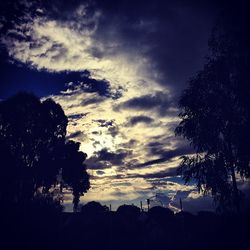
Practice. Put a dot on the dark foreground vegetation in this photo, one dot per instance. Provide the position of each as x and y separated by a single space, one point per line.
127 228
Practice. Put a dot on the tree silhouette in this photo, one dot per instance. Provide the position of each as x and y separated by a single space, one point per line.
34 152
94 208
215 113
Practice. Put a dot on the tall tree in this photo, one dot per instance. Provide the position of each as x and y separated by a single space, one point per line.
34 151
215 113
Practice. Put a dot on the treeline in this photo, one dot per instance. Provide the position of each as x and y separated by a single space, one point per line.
95 227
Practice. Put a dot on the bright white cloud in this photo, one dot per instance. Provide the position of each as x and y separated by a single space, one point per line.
71 45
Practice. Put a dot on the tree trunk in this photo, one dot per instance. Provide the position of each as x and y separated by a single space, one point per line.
236 197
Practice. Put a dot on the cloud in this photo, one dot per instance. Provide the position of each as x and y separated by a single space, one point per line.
76 116
168 155
76 134
113 130
67 40
120 150
92 101
173 34
158 101
100 172
115 158
140 119
94 163
121 63
90 85
106 159
193 202
156 175
157 147
104 123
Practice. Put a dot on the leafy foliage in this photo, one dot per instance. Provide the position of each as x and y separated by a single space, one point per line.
215 114
34 151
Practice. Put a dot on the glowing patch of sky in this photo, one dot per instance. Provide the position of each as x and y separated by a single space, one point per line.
57 46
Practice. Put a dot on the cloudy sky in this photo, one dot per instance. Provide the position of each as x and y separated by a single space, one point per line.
117 68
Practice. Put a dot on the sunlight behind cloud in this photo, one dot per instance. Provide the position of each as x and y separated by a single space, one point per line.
127 136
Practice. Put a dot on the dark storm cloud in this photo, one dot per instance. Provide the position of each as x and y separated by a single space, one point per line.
156 148
115 158
61 10
113 131
140 119
112 127
77 134
157 175
159 101
94 163
89 85
104 123
106 159
100 172
168 155
157 144
77 116
173 34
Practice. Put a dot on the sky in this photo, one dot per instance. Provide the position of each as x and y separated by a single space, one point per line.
117 68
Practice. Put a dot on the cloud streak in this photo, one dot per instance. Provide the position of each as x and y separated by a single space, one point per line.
122 69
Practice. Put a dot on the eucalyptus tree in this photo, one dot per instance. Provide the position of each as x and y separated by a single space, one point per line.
215 113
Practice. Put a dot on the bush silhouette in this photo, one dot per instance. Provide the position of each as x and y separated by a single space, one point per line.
128 211
93 208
